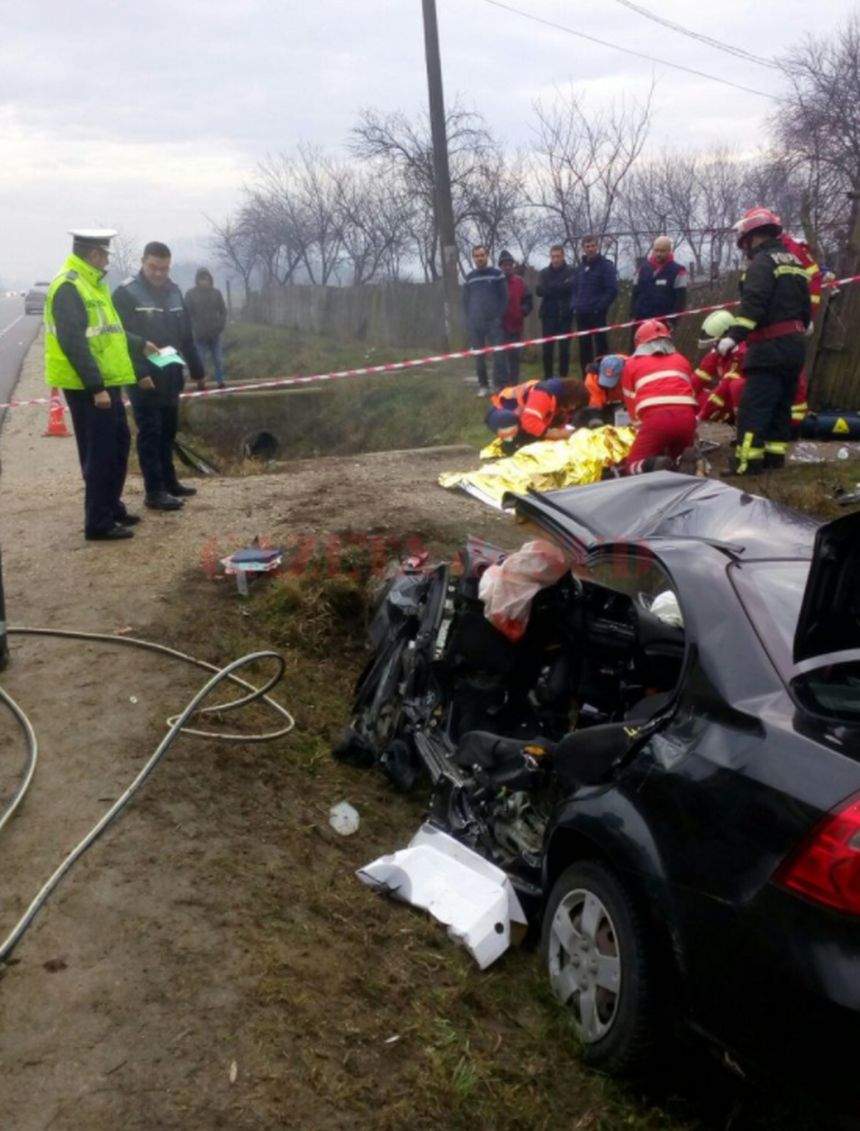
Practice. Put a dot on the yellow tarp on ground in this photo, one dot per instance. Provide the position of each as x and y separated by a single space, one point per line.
545 465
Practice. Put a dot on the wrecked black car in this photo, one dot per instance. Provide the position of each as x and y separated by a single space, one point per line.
666 764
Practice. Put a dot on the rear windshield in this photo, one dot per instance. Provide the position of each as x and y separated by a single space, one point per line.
772 593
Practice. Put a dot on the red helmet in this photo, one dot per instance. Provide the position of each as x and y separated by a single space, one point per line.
650 331
753 219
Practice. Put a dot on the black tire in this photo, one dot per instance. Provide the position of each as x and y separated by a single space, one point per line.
627 1045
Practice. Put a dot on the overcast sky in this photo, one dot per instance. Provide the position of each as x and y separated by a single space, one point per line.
145 117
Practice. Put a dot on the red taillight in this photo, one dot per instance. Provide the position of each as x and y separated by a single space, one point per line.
826 866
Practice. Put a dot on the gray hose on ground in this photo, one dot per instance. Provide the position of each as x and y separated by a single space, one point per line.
176 727
32 757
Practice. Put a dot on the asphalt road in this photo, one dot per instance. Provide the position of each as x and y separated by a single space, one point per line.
17 331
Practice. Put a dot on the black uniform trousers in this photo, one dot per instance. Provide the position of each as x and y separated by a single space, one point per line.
103 441
764 414
157 422
592 345
556 324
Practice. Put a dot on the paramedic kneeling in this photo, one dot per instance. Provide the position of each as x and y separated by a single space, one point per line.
658 391
536 410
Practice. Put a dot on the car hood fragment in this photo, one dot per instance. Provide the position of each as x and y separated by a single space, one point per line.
473 898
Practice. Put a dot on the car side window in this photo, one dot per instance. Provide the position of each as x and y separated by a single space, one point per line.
640 578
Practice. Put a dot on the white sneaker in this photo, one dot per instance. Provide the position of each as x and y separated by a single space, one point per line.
483 391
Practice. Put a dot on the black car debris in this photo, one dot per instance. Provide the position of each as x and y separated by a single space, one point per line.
676 798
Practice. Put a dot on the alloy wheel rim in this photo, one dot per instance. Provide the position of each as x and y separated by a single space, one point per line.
585 963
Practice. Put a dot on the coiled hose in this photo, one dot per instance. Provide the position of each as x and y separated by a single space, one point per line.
176 726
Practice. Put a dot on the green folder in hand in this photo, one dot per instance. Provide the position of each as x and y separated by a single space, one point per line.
165 357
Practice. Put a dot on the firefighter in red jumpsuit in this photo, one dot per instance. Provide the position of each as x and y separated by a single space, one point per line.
719 381
658 390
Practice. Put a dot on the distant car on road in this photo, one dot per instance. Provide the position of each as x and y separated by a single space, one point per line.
34 300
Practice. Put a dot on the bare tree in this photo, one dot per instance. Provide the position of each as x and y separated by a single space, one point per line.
818 129
317 187
644 208
274 220
124 254
582 161
694 199
402 147
489 206
234 249
373 217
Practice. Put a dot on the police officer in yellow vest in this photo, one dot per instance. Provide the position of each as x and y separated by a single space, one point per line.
87 356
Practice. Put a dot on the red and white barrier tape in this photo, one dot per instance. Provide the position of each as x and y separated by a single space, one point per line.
435 359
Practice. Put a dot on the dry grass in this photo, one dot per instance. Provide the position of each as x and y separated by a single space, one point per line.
335 973
807 487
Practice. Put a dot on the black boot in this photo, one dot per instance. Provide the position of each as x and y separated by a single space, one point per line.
180 491
773 461
115 534
163 502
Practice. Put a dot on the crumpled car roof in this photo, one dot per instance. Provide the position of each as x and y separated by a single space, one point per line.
665 504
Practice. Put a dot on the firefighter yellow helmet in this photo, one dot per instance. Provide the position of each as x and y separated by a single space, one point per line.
715 326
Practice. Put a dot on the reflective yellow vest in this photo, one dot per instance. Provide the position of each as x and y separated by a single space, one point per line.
105 333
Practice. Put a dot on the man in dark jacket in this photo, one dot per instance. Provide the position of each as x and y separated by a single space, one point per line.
554 288
150 305
774 314
519 306
208 313
661 284
485 298
595 285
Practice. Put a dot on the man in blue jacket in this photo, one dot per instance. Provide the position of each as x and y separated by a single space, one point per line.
595 286
661 284
485 299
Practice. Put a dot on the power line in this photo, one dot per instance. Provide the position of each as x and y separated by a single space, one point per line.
628 50
738 52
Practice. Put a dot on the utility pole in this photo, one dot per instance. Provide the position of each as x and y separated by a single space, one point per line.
444 209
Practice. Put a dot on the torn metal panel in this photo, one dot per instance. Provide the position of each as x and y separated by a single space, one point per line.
473 898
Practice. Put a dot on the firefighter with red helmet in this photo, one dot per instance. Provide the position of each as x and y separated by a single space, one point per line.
772 319
658 389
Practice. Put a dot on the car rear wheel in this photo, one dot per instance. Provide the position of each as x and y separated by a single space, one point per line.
597 953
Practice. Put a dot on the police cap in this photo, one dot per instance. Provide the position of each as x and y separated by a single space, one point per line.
95 237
